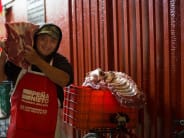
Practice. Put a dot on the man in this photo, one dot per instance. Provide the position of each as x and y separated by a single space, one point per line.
44 58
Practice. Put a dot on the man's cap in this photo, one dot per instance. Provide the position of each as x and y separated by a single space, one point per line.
51 30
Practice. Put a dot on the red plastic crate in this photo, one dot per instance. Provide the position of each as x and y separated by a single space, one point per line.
86 108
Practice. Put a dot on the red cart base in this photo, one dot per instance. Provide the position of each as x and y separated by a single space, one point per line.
86 108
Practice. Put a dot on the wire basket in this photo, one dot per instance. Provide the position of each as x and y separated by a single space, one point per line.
86 108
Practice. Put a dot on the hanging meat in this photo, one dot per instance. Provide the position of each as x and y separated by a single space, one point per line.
19 34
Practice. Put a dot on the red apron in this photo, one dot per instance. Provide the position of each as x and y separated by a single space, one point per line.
34 108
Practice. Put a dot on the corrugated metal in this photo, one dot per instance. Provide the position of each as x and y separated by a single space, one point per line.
182 60
92 36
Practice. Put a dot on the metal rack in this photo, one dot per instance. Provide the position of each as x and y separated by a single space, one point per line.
121 131
97 114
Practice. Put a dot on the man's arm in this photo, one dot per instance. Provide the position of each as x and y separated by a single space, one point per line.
54 74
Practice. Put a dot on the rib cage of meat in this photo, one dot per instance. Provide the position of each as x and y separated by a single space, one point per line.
19 34
121 85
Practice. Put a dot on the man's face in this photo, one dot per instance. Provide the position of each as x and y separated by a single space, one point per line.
46 44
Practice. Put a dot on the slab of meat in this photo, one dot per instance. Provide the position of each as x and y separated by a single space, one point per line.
19 34
121 85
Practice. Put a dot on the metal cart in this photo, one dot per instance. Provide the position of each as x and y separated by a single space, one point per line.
97 114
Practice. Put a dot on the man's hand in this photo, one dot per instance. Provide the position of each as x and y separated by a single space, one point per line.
54 74
30 55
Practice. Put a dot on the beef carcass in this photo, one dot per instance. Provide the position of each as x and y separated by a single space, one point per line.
19 34
121 85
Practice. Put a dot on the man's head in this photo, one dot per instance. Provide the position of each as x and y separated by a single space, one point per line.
47 40
51 30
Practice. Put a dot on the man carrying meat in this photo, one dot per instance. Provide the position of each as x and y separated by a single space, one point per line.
43 57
